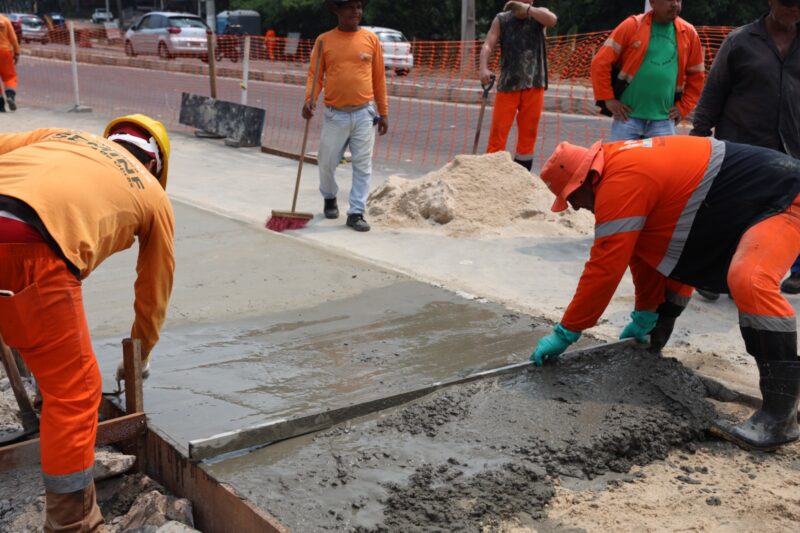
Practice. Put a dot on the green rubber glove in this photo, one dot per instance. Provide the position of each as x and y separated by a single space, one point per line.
642 323
552 345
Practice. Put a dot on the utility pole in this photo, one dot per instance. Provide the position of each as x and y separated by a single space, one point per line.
211 15
467 34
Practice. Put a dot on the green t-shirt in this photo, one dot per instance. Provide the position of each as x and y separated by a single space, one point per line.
652 91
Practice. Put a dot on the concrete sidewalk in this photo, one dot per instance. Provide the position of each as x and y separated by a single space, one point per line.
531 274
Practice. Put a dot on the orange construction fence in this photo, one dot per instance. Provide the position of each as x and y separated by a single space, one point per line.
433 87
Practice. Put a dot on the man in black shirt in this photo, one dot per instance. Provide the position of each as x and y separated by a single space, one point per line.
752 92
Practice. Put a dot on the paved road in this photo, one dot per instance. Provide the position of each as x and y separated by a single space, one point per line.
424 134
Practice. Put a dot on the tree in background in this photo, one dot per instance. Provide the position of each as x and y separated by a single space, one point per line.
442 20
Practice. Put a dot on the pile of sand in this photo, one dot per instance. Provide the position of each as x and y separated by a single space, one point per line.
475 196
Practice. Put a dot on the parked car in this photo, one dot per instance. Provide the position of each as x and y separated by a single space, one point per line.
16 23
397 54
101 15
34 29
168 35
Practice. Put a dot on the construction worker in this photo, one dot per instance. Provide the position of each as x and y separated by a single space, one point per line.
752 91
68 200
690 211
649 73
9 55
355 102
269 43
519 30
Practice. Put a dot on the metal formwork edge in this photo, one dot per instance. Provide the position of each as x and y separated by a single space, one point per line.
243 440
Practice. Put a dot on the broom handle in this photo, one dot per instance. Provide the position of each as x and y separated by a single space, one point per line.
308 123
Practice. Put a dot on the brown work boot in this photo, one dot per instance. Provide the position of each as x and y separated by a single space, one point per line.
73 512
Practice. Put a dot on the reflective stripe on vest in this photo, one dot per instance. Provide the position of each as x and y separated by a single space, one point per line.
685 221
620 225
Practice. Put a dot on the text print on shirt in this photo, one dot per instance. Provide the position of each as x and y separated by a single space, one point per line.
112 155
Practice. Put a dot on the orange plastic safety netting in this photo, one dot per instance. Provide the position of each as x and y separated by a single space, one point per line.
433 86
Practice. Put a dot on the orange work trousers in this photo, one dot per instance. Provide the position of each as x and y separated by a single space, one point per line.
8 71
45 322
526 107
764 255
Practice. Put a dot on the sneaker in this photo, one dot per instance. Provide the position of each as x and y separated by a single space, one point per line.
357 222
10 96
331 209
791 285
708 295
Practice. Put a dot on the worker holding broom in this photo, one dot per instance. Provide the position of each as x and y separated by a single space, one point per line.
519 30
354 80
68 200
690 211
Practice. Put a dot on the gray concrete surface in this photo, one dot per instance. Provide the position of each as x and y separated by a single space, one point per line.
481 456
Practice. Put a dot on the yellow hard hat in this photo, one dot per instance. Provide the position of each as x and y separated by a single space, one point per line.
158 132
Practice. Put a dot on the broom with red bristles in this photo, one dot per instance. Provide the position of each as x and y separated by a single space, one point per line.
285 220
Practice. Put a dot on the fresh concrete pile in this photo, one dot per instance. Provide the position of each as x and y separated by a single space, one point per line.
480 456
485 195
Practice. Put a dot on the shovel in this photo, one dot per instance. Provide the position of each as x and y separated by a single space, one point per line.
484 101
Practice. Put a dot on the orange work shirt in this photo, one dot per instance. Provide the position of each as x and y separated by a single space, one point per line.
95 198
8 38
352 70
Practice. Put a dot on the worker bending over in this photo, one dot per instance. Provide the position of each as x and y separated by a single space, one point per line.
68 200
687 211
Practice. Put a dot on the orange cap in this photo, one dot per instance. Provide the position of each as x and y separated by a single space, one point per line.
567 168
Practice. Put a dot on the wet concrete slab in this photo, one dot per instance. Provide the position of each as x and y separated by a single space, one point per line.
480 455
225 376
262 326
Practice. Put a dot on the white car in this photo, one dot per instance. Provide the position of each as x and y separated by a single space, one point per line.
167 35
34 29
397 54
100 15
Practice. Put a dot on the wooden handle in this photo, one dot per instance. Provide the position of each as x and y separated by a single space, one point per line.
308 124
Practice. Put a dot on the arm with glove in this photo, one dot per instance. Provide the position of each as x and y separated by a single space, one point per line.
654 291
601 276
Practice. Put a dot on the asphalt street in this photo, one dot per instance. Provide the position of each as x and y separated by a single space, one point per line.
424 134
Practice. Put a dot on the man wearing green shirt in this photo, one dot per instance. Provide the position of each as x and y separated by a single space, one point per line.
649 73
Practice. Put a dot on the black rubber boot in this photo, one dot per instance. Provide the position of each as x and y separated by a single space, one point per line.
331 209
668 312
708 295
527 164
2 105
791 285
775 424
11 95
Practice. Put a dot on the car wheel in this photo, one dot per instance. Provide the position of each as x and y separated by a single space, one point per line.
163 51
401 71
129 49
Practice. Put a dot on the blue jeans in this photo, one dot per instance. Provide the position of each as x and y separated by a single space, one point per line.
637 128
339 129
